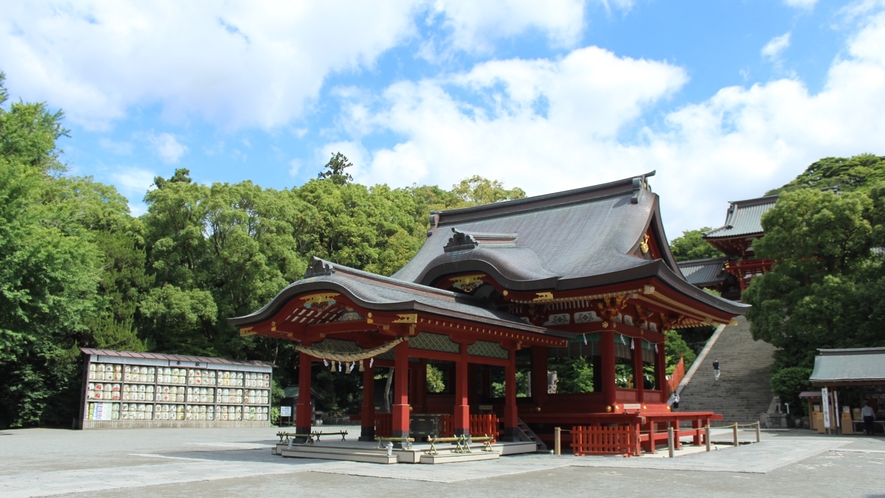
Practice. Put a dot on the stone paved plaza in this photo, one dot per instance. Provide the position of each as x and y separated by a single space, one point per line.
238 462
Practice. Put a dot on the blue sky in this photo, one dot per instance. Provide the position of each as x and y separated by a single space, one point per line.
724 99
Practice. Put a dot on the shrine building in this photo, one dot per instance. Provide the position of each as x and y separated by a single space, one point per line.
497 299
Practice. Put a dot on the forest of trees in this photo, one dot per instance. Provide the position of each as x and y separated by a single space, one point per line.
79 271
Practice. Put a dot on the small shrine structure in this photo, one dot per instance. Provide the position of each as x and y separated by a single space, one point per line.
496 295
743 226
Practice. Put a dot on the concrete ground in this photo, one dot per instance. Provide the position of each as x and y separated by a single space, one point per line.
238 462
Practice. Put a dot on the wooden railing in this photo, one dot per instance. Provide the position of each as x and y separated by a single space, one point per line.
480 425
484 425
599 440
678 375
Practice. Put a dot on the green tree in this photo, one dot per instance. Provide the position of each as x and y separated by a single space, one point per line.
477 190
824 290
691 245
860 172
335 170
51 234
676 347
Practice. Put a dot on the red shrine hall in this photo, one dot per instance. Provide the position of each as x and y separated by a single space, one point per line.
501 300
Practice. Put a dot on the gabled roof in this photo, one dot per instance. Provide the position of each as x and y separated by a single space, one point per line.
583 238
553 240
743 218
704 272
860 365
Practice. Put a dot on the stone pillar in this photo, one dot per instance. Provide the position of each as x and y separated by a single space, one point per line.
461 420
401 391
367 417
607 351
303 410
511 431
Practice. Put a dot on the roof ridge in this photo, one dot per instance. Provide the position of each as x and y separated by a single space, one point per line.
563 198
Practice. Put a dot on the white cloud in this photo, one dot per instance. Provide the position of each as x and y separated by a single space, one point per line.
548 125
773 49
801 4
167 147
134 183
475 25
235 64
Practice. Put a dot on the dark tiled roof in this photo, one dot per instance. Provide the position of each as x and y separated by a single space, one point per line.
375 292
172 357
743 218
704 272
580 238
559 237
849 365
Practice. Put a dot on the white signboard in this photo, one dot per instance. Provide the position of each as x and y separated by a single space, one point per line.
825 402
285 411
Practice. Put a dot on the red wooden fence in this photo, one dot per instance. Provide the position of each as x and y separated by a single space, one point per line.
484 425
599 440
480 425
677 375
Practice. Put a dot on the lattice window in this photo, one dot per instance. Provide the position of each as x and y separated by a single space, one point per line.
433 342
487 349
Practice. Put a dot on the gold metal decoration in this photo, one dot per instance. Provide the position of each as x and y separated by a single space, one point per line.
406 318
247 331
543 296
643 245
326 298
467 283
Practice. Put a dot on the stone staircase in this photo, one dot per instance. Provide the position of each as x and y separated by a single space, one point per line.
742 392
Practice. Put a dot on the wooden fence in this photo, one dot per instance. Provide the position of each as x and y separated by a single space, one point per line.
480 425
599 440
484 425
677 375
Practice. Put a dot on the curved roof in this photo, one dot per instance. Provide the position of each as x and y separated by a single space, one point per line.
849 366
704 272
575 239
378 293
743 218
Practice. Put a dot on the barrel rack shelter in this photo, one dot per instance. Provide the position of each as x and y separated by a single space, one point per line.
851 378
124 389
497 295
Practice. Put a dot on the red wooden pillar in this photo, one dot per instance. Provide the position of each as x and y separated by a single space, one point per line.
661 369
303 410
539 374
511 429
367 417
462 404
638 371
607 351
401 391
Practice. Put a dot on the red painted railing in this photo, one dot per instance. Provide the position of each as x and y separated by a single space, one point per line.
678 374
600 440
484 425
480 425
